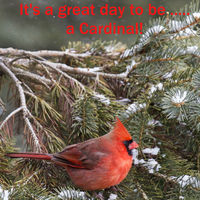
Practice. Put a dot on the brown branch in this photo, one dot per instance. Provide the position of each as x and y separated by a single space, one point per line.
165 177
80 71
45 81
50 53
6 69
56 68
197 20
42 53
65 68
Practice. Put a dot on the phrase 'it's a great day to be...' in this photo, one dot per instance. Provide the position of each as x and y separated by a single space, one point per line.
110 28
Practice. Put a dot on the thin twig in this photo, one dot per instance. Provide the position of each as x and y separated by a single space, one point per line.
167 179
41 79
10 115
53 66
144 196
2 104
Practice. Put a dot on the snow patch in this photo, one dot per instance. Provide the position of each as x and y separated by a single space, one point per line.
151 164
135 156
129 67
75 54
179 97
175 25
69 194
95 69
154 88
4 194
154 122
78 119
152 31
186 180
134 107
189 50
102 98
187 32
126 53
109 48
153 151
192 49
196 15
168 75
123 101
112 197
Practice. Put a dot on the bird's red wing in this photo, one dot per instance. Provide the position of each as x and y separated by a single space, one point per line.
83 155
69 156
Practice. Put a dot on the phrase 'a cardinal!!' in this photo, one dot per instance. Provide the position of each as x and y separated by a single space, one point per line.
97 163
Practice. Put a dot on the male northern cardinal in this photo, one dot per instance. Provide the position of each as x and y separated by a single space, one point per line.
97 163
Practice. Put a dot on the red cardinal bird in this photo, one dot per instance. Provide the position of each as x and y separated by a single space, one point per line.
97 163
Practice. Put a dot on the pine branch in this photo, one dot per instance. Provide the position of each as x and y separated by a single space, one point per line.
153 88
144 196
23 103
59 66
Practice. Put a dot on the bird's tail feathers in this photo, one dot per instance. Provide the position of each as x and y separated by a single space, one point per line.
41 156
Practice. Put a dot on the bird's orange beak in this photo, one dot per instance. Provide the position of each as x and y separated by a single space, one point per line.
133 145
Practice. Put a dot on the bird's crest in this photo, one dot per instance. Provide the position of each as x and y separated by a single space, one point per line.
120 131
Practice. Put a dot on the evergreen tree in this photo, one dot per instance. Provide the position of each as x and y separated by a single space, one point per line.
56 98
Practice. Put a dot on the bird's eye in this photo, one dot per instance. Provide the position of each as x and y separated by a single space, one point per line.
127 143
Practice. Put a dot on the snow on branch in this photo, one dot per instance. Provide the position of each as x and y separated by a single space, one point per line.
23 107
45 81
175 29
42 53
10 115
57 65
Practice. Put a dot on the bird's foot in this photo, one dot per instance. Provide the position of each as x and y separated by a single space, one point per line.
95 195
115 189
99 196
